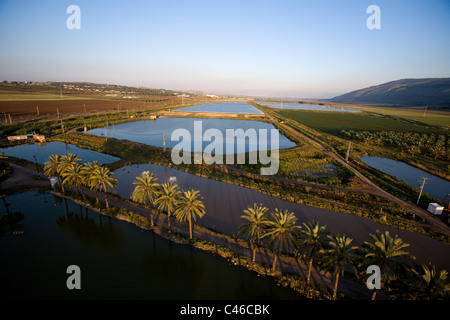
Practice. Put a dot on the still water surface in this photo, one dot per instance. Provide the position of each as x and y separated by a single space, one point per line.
117 259
225 203
224 107
42 152
434 186
303 106
152 132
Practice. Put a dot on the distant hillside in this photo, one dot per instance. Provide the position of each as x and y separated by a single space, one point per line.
411 92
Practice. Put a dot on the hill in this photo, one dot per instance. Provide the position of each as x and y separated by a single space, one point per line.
405 92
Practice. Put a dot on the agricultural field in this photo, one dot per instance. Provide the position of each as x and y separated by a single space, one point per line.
335 122
424 146
424 115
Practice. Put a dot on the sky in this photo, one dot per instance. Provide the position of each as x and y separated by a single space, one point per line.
284 48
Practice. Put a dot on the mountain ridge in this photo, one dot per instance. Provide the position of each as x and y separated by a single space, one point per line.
405 92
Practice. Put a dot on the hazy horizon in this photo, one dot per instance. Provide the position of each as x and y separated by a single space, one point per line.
290 49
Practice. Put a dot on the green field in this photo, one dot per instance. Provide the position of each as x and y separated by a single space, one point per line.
433 117
335 122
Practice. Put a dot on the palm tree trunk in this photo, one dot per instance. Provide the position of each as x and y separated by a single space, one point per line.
168 221
309 271
335 286
274 263
190 228
254 253
106 201
374 294
151 218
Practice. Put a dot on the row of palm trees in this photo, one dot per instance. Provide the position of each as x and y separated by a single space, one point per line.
186 205
336 254
72 173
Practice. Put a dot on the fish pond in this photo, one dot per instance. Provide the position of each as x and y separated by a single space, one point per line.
434 186
224 107
41 235
153 132
40 152
225 203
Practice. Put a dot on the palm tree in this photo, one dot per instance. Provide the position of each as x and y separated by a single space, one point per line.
146 190
427 284
74 176
383 252
189 207
337 256
255 225
90 169
281 231
312 242
167 198
104 180
53 167
69 159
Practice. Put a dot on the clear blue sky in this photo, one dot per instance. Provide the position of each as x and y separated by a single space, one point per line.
284 48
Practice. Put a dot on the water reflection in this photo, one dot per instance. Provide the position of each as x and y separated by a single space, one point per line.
12 223
88 231
117 259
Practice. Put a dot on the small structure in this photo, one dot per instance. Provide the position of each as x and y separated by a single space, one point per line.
435 208
37 137
54 182
20 137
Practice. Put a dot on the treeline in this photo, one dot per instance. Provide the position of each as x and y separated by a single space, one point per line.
186 205
315 246
410 142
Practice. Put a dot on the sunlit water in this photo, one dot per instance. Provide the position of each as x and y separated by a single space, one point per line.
152 132
224 107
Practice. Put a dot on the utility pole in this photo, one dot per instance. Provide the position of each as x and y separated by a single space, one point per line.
424 180
37 110
62 126
348 151
57 112
164 141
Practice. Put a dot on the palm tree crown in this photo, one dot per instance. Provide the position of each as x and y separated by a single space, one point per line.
104 180
383 252
167 198
146 190
255 224
337 256
189 207
313 238
281 231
